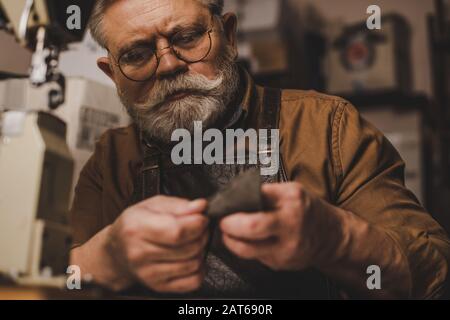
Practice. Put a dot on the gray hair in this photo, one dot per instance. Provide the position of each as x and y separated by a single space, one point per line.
95 23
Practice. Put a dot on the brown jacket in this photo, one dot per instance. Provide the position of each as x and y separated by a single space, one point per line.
327 147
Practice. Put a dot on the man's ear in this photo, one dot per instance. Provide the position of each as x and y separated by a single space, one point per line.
104 63
230 29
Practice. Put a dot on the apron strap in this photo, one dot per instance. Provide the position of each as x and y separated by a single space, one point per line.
269 118
269 114
148 181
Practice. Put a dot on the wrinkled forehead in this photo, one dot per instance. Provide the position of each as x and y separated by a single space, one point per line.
128 20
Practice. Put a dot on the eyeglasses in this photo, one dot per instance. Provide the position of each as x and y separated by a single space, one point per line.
191 45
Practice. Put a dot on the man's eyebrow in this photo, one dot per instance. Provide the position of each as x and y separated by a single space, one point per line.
136 43
149 41
184 26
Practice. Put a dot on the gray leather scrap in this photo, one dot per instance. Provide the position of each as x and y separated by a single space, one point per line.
242 194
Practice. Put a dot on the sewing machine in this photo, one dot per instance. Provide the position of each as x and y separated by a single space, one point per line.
36 165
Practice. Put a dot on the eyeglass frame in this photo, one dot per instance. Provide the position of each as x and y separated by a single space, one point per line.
158 59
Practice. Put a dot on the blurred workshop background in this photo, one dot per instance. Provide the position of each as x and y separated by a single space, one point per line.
398 77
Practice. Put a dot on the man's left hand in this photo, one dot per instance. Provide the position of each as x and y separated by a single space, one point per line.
300 231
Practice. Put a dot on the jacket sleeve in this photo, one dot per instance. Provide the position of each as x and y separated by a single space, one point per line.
370 183
86 207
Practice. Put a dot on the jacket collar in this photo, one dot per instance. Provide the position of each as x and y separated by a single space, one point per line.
246 101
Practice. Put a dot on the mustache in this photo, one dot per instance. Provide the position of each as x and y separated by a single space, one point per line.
191 84
198 98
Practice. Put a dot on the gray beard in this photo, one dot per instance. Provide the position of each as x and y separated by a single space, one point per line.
210 100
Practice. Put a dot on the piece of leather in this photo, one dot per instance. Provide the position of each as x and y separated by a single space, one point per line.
242 194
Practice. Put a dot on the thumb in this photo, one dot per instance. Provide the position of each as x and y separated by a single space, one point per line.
272 194
192 207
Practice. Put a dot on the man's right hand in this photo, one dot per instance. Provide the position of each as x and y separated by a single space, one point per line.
159 242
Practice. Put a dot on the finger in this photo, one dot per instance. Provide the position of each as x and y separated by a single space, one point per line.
153 253
273 192
183 285
256 226
193 207
189 228
167 230
165 272
174 205
250 250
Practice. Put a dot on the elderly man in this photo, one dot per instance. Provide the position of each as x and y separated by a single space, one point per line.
338 204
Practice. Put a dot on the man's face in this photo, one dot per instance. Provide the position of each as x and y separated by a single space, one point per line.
179 92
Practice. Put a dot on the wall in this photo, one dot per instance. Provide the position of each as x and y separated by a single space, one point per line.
415 11
13 58
81 61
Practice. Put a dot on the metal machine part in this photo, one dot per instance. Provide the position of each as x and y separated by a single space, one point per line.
90 109
36 165
41 25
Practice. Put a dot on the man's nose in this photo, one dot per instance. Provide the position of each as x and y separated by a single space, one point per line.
169 64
